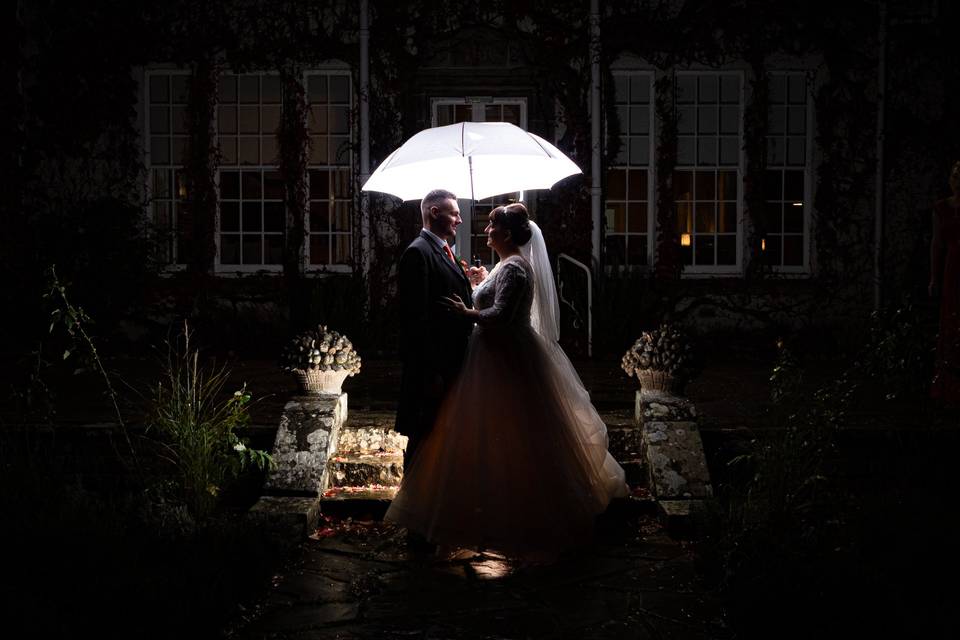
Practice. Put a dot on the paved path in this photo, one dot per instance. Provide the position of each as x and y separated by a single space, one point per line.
358 579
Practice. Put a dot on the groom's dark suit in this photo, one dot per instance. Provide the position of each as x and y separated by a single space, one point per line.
432 339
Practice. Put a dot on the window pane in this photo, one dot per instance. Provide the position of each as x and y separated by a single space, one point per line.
616 217
776 153
639 120
339 150
319 217
229 249
318 150
704 221
251 217
727 250
793 186
620 86
709 90
178 88
341 217
273 216
616 184
274 249
793 251
272 185
227 120
317 121
707 120
797 89
777 121
339 89
707 151
778 88
729 151
640 151
637 217
319 184
686 120
730 89
726 185
685 150
248 150
228 150
341 183
317 88
684 217
159 120
797 120
319 249
773 185
160 88
705 185
773 217
638 184
640 88
616 250
792 218
729 120
727 217
230 216
252 251
339 120
250 187
683 185
248 119
178 150
704 250
686 88
637 250
342 248
796 151
160 150
269 120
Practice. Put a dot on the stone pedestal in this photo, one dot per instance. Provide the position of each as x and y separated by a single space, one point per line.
672 448
675 461
307 437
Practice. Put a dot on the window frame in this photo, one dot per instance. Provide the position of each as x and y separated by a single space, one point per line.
805 268
714 270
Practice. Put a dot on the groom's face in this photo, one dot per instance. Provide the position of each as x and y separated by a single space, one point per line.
445 219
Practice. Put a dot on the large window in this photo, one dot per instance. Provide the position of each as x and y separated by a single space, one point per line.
251 227
785 181
628 191
706 182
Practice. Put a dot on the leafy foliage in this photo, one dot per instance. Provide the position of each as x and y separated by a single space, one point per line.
198 425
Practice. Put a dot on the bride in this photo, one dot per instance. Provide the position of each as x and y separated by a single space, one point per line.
517 460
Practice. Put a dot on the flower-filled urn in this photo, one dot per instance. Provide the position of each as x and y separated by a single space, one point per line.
320 359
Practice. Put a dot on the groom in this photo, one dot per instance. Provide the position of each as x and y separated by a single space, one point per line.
432 340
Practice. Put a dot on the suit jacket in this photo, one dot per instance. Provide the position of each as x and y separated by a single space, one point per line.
432 339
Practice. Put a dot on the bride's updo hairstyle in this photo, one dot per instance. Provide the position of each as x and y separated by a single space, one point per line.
514 218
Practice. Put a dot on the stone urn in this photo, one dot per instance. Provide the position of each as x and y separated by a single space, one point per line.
658 380
320 382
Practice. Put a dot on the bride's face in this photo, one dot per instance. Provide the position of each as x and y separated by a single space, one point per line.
497 237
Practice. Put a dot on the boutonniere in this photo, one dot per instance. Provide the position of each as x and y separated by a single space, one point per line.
463 265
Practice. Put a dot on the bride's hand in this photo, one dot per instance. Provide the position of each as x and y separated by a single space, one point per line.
455 304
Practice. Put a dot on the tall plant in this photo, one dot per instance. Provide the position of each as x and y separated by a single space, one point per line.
198 424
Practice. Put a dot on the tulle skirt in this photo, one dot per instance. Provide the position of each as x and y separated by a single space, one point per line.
517 460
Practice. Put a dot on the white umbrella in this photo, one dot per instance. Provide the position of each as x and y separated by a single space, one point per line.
474 160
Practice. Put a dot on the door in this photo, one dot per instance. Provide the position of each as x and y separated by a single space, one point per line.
471 240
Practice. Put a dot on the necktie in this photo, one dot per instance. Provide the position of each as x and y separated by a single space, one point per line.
446 250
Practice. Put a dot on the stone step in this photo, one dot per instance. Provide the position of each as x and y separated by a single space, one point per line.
624 443
635 471
369 438
369 492
365 469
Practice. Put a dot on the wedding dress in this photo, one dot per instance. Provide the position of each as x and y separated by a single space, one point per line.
517 460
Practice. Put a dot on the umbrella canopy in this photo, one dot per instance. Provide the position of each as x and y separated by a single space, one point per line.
474 160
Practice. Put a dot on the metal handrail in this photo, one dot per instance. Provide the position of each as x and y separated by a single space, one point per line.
586 269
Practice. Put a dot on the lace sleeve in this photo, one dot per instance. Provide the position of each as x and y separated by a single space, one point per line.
512 284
